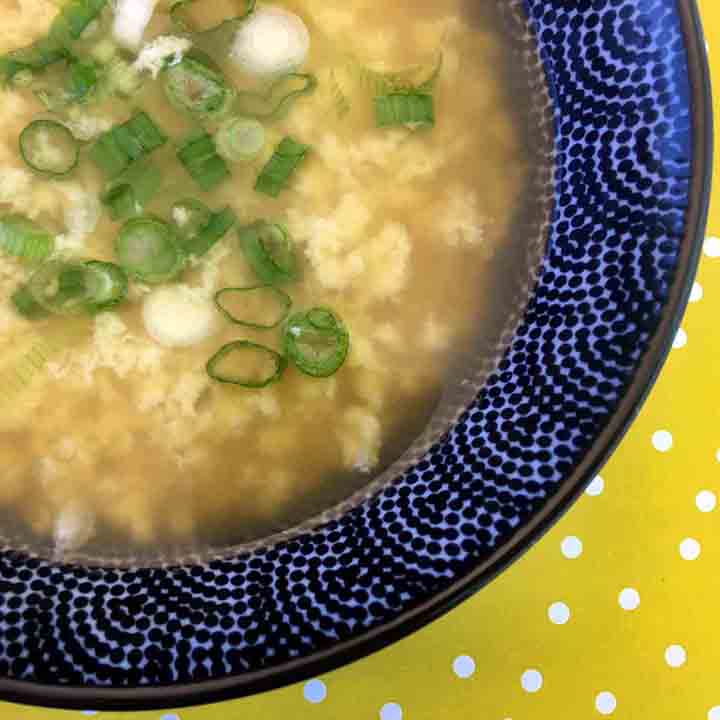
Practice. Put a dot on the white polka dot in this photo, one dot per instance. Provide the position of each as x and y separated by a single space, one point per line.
559 613
596 487
706 501
690 549
464 667
712 247
662 440
171 716
315 691
714 713
571 547
391 711
675 656
681 339
696 294
717 455
629 599
605 703
532 681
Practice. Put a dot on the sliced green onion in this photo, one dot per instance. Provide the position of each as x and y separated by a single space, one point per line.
107 284
67 27
195 86
240 139
415 110
259 366
274 177
26 305
49 148
189 218
73 287
280 97
254 302
61 287
81 81
200 158
317 342
184 23
116 149
74 19
23 238
203 229
270 252
130 193
148 249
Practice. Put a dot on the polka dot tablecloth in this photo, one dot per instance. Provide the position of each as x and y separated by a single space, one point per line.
613 614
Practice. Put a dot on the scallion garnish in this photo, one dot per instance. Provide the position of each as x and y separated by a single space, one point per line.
67 28
129 194
197 87
247 365
49 148
269 251
200 229
21 237
107 285
26 305
276 174
118 148
317 342
280 97
248 306
74 287
413 109
82 79
80 84
181 16
199 157
148 249
240 139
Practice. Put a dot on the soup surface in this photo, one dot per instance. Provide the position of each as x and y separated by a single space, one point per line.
115 438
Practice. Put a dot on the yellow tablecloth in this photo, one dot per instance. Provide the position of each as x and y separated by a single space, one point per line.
614 613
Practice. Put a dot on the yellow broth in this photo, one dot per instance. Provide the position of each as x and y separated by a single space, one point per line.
398 231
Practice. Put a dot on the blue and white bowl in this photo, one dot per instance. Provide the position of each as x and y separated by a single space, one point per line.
622 91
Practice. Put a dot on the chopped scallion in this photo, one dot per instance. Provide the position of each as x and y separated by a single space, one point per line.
198 228
116 149
21 237
414 110
280 97
67 28
200 158
130 193
195 86
269 251
246 364
240 139
148 249
262 307
186 21
276 174
107 284
49 148
73 287
26 305
82 80
317 342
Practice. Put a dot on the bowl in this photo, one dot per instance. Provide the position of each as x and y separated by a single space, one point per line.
621 91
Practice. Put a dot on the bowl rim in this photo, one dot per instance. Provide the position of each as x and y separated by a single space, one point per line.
323 661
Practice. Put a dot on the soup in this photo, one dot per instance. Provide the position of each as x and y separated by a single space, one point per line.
244 251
